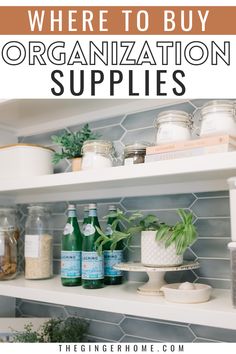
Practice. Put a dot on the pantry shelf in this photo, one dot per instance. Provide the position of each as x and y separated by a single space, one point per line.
123 298
193 174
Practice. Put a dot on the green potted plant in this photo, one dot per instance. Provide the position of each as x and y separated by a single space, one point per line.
55 330
125 235
162 245
167 246
71 145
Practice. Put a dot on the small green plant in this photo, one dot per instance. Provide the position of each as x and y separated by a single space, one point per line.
71 143
55 330
118 236
149 223
182 234
27 336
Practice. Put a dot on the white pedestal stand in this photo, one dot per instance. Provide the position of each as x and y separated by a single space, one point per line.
155 275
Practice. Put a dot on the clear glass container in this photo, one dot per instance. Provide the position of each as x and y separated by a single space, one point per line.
9 220
134 153
217 117
38 243
9 234
173 126
97 154
8 254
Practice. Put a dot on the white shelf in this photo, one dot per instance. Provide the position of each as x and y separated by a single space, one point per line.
194 174
218 312
29 117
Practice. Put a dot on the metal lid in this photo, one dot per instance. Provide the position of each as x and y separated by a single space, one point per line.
136 147
97 146
173 116
217 106
112 208
71 207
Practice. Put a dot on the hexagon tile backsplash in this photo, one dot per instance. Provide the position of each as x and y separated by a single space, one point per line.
212 219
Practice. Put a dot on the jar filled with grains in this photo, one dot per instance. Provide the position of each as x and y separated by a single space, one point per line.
38 243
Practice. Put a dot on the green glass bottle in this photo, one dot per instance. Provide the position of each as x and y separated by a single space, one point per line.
86 217
92 263
111 275
71 247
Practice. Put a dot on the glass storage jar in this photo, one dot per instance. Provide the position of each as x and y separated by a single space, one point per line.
97 154
218 117
8 220
9 234
173 126
134 153
38 243
8 254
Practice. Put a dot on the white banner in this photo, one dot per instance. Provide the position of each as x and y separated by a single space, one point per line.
116 348
117 66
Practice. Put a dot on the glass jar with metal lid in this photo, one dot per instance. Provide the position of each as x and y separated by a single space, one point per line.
97 154
173 126
134 153
9 235
217 117
38 243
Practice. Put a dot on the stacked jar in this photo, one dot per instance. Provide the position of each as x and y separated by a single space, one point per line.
173 126
217 117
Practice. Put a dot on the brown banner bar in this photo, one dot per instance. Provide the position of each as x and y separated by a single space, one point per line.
93 20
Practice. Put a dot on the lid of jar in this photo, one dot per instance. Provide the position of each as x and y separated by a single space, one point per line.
217 106
92 206
173 116
112 208
99 146
136 147
71 207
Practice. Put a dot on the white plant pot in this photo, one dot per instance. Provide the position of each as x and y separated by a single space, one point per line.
155 254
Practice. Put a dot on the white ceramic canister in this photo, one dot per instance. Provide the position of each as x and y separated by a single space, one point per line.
25 160
97 154
218 117
155 254
173 126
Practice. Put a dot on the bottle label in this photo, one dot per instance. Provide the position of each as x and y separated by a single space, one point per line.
32 246
68 229
110 259
89 230
92 266
70 264
2 246
92 212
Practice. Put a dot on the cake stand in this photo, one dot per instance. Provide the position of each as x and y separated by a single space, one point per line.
155 275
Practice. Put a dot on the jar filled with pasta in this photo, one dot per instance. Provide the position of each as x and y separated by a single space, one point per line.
38 243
